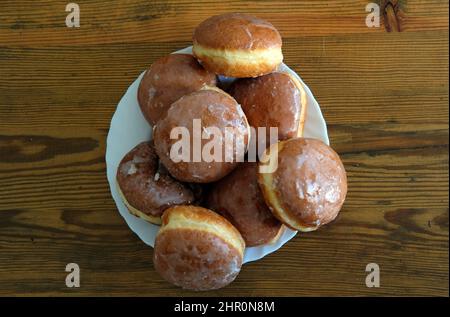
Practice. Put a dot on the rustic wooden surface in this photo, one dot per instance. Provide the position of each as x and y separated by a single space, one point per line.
384 95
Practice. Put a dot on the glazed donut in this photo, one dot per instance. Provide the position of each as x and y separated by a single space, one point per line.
197 249
237 45
308 187
146 187
215 112
273 100
238 198
168 79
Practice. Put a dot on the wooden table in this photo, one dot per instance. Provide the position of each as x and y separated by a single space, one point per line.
384 96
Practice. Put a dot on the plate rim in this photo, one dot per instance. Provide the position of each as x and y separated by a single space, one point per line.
133 222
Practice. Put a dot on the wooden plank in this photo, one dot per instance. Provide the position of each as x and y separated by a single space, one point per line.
27 23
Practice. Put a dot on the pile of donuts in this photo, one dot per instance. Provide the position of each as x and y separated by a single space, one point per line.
209 211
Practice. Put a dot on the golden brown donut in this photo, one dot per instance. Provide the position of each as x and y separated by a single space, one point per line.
197 249
146 187
238 198
309 185
217 111
168 79
273 100
237 45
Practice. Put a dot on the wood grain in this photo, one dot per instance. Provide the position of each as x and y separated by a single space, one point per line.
384 96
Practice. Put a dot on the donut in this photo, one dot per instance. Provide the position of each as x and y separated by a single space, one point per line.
308 187
237 45
202 115
146 187
237 197
197 249
273 100
168 79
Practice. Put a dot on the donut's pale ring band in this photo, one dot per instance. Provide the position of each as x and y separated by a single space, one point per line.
272 56
239 63
269 191
304 102
181 221
136 212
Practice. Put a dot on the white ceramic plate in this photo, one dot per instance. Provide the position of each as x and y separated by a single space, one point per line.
128 128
